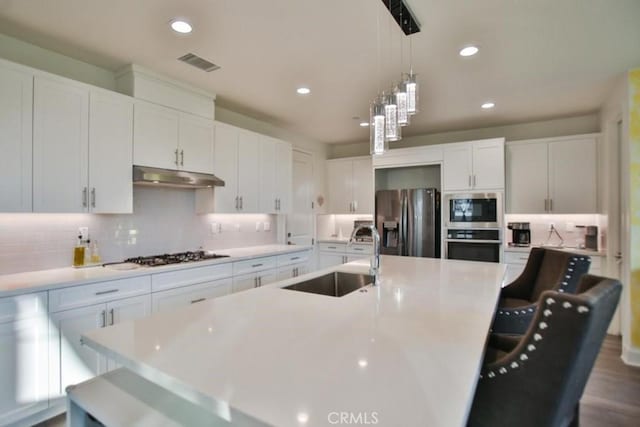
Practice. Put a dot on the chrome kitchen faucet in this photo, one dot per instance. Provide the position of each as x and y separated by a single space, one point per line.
375 260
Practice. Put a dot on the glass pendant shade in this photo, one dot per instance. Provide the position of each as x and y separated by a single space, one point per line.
400 93
376 127
391 127
412 93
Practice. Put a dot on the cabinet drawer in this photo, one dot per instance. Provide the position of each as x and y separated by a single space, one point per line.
22 306
333 247
293 258
516 257
95 293
360 249
191 276
190 294
253 265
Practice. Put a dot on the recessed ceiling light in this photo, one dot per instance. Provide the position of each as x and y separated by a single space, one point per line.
488 105
469 51
181 26
303 90
364 124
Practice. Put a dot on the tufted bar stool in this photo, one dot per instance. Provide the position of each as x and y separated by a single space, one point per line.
546 269
538 379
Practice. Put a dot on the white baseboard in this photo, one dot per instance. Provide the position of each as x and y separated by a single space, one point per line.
631 356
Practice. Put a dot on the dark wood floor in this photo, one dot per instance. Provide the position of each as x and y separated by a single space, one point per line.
612 395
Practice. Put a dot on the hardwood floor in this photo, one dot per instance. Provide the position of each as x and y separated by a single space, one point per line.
612 395
611 398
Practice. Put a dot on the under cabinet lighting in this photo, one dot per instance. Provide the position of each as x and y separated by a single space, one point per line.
488 105
364 124
303 90
469 51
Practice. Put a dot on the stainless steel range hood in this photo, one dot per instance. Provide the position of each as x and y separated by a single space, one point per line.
144 175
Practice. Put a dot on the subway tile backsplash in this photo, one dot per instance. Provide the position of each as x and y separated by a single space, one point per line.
164 220
565 224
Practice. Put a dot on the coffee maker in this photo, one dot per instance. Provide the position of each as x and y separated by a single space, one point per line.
520 234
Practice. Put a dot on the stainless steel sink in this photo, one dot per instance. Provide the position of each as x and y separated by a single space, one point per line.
335 284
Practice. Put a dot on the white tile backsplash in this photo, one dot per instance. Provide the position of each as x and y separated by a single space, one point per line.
164 220
333 226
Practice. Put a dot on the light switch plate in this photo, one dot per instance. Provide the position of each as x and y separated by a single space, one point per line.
83 232
267 226
215 228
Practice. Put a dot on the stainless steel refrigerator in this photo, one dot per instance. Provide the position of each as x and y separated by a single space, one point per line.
409 222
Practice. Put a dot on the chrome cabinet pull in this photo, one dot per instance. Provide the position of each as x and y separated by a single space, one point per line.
295 258
259 281
275 204
546 205
256 265
550 205
237 203
104 318
255 282
113 317
331 247
241 203
198 300
84 197
176 153
355 206
181 157
474 180
469 180
110 291
93 197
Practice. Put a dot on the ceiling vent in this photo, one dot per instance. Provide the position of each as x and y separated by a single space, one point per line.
198 62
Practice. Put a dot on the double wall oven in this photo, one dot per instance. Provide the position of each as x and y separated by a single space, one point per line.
473 223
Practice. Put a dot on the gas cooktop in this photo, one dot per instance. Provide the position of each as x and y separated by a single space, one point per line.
177 258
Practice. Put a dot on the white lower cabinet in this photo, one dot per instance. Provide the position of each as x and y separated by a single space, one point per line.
332 254
254 280
331 260
192 294
23 356
79 309
294 270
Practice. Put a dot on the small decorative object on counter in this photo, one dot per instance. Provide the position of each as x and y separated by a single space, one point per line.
78 253
95 253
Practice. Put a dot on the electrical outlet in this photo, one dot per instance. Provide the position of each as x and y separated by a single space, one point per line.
83 232
215 228
257 226
570 227
267 226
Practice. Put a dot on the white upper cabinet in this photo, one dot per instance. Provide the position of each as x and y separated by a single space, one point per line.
155 137
16 114
552 175
248 171
475 165
275 175
350 186
166 138
226 168
60 146
82 142
196 137
110 152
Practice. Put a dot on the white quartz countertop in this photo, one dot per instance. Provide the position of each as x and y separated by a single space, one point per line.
12 284
343 240
407 351
563 248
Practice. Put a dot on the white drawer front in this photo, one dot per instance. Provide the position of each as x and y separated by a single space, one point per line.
191 276
293 258
254 265
192 294
333 247
516 257
360 249
95 293
22 306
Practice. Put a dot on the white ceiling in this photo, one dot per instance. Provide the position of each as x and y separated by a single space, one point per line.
538 59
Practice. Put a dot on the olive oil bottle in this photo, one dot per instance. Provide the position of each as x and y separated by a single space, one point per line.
79 253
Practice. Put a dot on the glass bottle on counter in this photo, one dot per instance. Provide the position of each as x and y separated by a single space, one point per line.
78 253
95 253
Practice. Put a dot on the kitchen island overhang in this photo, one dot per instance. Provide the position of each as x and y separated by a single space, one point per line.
408 350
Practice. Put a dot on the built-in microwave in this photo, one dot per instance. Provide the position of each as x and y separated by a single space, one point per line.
473 210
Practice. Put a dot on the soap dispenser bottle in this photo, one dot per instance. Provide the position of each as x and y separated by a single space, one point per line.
78 253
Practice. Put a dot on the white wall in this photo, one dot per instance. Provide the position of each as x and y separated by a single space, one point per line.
589 123
163 221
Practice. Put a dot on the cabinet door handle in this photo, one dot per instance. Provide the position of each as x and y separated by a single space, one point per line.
181 157
295 258
84 197
198 300
469 180
474 180
110 291
241 203
550 205
259 281
355 206
93 197
113 317
358 249
256 265
255 282
275 204
237 203
176 153
331 247
104 318
546 205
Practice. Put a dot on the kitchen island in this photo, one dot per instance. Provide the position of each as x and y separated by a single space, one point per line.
404 353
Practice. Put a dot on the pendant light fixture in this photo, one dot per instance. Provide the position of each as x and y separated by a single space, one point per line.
412 92
379 144
391 127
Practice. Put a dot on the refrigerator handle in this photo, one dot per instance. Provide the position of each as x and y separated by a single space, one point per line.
403 226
